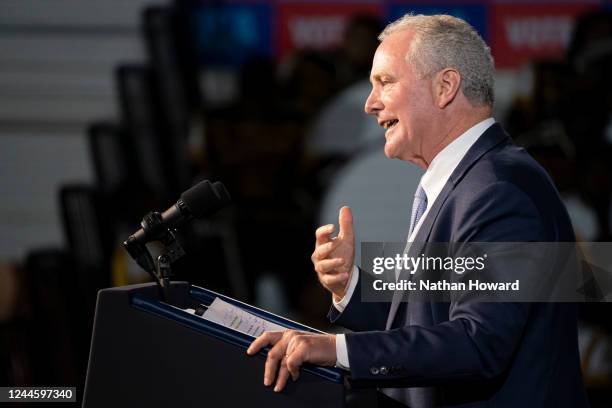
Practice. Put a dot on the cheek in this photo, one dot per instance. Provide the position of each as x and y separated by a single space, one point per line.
414 125
416 115
408 124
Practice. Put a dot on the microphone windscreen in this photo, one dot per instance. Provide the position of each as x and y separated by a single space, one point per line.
205 198
222 192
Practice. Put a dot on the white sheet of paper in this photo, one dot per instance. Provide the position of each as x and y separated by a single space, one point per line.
238 319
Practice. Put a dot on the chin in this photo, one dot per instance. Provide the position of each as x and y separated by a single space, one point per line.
389 152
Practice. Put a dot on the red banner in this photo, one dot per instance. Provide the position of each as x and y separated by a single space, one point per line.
316 25
522 33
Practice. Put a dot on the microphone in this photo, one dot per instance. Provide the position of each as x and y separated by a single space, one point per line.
202 199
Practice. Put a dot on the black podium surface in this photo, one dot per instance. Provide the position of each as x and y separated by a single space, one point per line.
146 353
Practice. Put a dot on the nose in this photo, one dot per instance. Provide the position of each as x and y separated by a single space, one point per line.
373 104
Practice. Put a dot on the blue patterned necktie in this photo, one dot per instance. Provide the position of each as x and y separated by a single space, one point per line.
419 205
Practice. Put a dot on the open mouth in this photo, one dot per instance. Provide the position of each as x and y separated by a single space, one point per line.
388 124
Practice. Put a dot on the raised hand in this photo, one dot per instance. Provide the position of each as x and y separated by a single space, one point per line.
333 256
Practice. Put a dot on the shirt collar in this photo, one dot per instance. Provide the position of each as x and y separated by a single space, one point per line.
445 162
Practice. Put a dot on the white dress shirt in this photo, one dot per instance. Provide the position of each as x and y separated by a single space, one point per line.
433 181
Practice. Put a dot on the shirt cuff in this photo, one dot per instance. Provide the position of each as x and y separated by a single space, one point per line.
342 303
342 360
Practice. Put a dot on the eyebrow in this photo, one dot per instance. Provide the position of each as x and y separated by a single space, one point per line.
379 77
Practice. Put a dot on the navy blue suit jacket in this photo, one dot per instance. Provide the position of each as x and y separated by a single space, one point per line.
476 354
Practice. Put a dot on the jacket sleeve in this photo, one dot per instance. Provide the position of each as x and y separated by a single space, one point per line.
358 315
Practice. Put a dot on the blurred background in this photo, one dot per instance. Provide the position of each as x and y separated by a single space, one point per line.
109 110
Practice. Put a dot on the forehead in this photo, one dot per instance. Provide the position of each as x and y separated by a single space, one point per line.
391 53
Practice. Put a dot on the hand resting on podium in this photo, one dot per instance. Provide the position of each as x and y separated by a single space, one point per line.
290 349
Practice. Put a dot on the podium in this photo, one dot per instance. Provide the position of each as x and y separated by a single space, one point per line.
147 353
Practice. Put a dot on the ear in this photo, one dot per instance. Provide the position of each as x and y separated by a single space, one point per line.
447 85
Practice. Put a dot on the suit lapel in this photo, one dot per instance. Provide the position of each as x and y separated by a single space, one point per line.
489 139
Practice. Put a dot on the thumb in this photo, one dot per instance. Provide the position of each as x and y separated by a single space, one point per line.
345 219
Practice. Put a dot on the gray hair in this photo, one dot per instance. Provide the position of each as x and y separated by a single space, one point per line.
443 41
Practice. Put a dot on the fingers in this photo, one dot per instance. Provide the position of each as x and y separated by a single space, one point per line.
283 376
294 361
290 351
323 234
275 356
345 220
334 256
331 280
290 365
324 251
328 265
280 341
264 340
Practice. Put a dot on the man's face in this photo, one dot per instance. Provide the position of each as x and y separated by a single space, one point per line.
402 103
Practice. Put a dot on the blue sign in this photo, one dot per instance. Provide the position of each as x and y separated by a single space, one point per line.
232 33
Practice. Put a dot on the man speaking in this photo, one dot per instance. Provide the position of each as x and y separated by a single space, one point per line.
432 90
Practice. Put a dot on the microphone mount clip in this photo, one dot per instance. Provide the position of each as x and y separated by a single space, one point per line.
160 272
